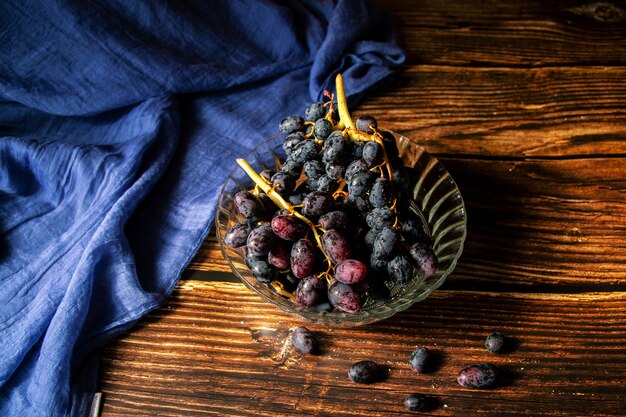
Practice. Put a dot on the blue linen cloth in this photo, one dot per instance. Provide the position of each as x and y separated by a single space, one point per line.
119 121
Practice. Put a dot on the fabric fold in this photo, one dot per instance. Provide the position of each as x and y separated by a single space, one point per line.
118 124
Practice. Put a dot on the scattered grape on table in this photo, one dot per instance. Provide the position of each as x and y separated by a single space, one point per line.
332 225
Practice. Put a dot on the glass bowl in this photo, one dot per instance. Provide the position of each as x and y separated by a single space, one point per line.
435 198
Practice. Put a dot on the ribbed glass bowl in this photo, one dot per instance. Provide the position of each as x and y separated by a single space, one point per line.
436 199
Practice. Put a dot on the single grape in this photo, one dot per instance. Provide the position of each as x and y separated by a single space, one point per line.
419 359
336 246
380 218
279 256
412 231
314 111
372 154
317 203
248 205
311 290
335 170
237 235
305 151
425 259
391 147
339 220
291 124
366 123
495 342
377 264
302 258
251 259
262 271
357 149
291 141
364 372
385 243
361 183
292 168
260 240
326 184
480 376
417 402
350 271
323 128
304 341
370 237
400 269
355 167
400 179
336 149
380 195
314 169
297 197
360 203
345 297
283 183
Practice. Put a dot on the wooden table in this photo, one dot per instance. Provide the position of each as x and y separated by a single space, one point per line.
525 103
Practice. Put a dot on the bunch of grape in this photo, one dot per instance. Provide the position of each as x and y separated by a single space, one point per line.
332 226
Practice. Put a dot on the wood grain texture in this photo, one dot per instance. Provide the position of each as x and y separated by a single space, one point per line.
507 113
218 349
511 33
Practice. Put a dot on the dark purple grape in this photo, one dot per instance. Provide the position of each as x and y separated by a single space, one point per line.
249 205
323 128
336 246
416 402
350 271
425 259
380 218
326 184
366 123
400 179
364 372
262 271
288 227
283 183
345 297
357 149
335 170
385 243
237 235
260 240
279 256
305 151
339 220
311 290
336 149
370 237
361 183
292 168
378 264
297 197
412 231
291 124
313 169
380 195
291 141
391 147
419 359
304 340
314 111
361 203
481 375
355 167
302 258
400 269
251 259
495 342
372 154
317 203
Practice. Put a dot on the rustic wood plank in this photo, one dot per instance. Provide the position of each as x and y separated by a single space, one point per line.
511 33
218 349
507 113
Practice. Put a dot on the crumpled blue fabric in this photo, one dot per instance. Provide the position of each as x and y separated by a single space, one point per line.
119 121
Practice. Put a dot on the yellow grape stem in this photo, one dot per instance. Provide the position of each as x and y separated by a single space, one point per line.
280 201
345 121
